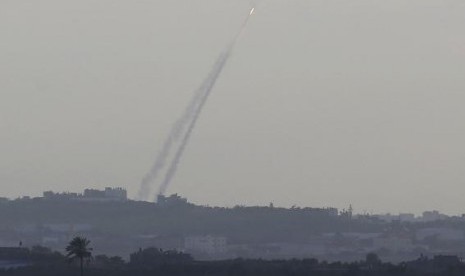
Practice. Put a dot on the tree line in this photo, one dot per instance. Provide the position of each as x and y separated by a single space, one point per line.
79 260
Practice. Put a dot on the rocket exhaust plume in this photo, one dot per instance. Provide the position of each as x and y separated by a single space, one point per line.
209 84
184 126
211 80
174 136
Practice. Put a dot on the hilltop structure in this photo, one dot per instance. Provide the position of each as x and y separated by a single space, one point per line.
108 194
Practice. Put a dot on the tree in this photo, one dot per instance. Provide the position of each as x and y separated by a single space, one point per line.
372 260
152 257
108 262
78 249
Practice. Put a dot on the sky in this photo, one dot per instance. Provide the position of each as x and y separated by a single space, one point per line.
323 102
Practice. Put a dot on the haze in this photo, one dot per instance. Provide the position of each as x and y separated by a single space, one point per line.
323 103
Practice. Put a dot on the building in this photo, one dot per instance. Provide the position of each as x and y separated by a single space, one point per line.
404 217
109 194
94 195
172 200
49 195
211 245
116 194
433 216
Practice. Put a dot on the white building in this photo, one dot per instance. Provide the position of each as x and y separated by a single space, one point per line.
206 244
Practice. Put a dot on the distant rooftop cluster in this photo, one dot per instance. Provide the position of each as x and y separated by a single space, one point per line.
108 194
172 200
407 217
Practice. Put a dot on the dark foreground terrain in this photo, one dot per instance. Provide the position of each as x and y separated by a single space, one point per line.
40 261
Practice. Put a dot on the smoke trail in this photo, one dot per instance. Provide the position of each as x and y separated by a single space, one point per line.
211 80
171 139
185 124
180 126
210 83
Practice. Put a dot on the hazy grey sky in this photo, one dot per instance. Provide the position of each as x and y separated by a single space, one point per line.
324 103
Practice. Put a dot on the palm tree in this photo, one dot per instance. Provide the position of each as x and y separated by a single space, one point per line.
78 249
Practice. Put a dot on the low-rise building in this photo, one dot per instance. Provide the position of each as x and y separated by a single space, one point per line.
211 245
433 216
172 200
93 195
